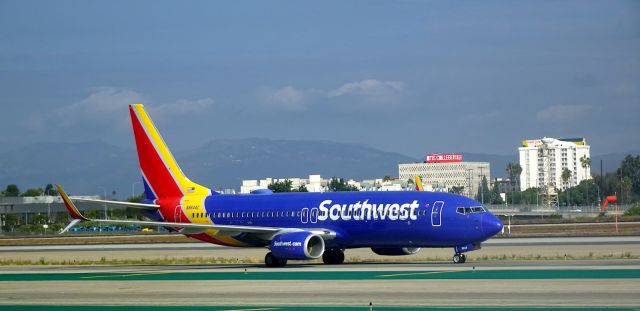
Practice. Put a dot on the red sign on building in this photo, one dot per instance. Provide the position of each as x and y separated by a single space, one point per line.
443 158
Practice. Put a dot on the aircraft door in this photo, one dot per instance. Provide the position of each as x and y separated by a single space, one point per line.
304 215
436 214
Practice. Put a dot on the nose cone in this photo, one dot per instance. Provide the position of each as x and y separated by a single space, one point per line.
491 225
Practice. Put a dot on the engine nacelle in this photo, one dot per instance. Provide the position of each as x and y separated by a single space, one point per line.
395 251
297 245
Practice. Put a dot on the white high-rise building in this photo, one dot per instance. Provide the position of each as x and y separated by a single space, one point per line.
562 153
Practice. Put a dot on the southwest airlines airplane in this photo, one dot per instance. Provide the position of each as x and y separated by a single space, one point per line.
297 226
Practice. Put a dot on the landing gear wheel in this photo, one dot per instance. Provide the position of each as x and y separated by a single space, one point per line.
464 258
333 257
458 258
273 261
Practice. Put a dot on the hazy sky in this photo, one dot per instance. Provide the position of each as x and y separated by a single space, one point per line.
405 76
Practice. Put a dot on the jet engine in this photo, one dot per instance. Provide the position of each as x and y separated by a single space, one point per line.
395 251
297 245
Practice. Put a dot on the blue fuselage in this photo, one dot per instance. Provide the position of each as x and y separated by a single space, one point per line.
362 219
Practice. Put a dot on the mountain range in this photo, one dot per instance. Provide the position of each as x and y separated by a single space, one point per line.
99 168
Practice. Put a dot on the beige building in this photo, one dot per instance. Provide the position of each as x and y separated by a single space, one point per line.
444 176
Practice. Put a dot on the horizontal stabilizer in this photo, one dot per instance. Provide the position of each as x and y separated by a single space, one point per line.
145 206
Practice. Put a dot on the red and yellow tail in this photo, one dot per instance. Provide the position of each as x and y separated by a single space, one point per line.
418 182
160 171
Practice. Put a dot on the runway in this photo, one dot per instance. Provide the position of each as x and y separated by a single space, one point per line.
199 252
200 245
586 285
582 275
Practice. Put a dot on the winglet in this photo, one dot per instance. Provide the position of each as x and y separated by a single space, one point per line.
73 210
418 183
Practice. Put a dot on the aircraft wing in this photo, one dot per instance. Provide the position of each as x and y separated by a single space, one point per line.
223 230
145 206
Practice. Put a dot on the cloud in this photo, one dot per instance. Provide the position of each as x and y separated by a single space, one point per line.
103 105
181 107
106 107
356 93
563 112
369 88
287 97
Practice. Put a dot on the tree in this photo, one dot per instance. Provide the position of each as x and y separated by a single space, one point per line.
484 194
566 175
585 162
495 195
280 186
514 170
10 222
630 167
49 190
40 219
137 199
12 191
387 178
302 188
33 192
339 184
456 189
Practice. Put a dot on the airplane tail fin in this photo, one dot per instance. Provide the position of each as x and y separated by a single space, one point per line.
418 182
161 174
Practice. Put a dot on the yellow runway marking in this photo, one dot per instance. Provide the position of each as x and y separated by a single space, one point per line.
418 273
258 309
121 275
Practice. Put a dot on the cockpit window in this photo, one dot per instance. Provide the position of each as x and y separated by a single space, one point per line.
470 210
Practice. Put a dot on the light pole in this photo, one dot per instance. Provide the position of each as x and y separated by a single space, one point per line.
105 203
482 178
133 189
105 207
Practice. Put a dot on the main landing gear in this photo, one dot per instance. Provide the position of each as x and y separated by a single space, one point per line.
459 258
333 256
273 261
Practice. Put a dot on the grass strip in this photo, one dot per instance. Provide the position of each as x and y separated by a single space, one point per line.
42 261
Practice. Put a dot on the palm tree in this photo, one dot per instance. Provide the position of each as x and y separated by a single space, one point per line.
566 175
514 170
586 163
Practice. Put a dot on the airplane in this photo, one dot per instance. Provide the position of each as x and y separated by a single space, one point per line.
296 226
